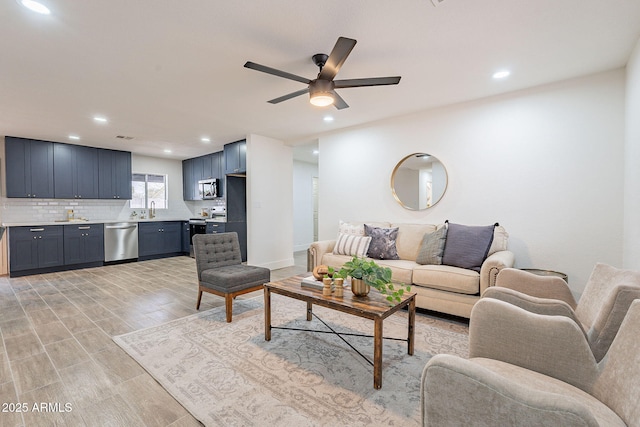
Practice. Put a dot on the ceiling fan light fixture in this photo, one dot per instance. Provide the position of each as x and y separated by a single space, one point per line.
321 93
321 99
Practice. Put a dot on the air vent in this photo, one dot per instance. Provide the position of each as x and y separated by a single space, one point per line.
124 137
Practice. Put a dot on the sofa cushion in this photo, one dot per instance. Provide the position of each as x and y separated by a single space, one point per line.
401 270
409 239
351 244
333 260
432 247
467 246
383 242
447 278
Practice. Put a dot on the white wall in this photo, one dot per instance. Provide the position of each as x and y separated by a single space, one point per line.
632 164
303 174
269 202
545 163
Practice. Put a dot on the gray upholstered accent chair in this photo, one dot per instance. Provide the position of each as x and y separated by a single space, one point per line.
546 376
220 269
604 302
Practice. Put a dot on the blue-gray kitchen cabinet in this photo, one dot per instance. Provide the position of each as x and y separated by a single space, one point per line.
29 168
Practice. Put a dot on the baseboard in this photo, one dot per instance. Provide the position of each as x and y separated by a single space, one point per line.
274 265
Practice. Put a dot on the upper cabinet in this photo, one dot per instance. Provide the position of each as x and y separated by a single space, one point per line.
199 168
47 170
75 171
189 182
114 174
29 165
217 165
235 157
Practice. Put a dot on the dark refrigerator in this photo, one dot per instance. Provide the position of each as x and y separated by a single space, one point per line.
237 210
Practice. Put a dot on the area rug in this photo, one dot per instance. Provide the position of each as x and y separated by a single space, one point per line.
226 374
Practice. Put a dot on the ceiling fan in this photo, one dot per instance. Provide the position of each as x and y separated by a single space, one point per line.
322 89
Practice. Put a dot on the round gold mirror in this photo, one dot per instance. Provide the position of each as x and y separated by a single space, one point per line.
419 181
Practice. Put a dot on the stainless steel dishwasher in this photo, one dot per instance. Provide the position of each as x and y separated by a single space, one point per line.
120 241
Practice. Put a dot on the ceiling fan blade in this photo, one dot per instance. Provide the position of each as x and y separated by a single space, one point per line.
338 102
338 55
289 96
373 81
275 72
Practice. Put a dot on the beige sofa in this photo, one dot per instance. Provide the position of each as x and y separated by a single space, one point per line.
441 288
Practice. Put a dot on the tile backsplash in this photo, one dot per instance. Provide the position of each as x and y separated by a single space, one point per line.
48 210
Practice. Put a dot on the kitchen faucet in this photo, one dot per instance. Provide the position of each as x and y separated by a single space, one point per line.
152 210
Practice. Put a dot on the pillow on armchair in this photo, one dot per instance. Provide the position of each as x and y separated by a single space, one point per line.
467 246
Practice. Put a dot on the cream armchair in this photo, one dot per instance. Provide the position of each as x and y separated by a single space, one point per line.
528 369
606 298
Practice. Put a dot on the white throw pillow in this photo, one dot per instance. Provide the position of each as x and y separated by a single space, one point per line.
352 245
356 229
500 239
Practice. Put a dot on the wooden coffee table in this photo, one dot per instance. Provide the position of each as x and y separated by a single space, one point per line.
373 306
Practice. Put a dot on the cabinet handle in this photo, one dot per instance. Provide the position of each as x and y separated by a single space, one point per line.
86 227
39 237
36 229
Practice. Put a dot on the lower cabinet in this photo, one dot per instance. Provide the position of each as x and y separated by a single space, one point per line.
215 227
32 248
156 239
83 244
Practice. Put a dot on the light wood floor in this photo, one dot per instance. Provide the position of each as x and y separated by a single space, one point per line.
57 350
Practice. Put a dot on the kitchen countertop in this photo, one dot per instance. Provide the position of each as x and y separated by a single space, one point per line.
92 221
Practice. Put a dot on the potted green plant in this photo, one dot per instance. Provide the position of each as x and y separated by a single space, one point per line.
366 273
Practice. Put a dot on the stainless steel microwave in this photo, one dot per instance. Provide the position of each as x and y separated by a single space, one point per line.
209 188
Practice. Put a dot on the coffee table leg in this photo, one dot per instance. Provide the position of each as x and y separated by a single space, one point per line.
412 326
267 314
309 311
377 354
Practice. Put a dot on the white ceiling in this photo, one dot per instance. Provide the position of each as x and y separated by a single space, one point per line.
167 72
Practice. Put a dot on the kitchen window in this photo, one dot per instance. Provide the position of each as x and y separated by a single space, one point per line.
147 188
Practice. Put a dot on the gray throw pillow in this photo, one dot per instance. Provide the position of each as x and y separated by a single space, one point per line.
432 247
383 242
467 246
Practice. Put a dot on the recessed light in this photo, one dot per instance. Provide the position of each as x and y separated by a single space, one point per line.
501 74
205 139
168 151
100 119
76 137
327 119
35 6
